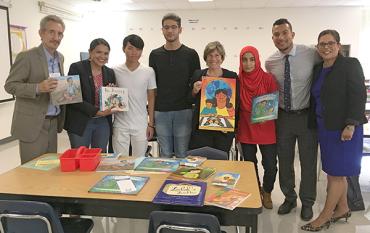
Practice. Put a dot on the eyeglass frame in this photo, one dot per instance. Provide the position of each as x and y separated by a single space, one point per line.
323 45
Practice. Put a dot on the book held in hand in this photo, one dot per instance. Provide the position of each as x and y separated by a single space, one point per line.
265 107
193 173
115 98
179 192
227 198
192 161
120 184
226 179
158 165
68 90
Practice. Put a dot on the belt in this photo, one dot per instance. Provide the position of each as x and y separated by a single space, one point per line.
296 112
51 117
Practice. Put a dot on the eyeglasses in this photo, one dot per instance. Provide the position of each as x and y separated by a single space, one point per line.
322 45
173 27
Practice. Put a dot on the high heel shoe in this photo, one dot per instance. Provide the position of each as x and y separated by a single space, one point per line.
309 227
346 216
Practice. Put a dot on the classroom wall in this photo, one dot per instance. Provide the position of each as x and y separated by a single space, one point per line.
234 28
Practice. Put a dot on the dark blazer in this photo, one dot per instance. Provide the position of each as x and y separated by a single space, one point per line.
77 115
343 95
197 76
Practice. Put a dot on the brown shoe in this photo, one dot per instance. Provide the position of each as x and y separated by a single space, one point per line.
266 200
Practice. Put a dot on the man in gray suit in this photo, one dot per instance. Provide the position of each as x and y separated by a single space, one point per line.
35 120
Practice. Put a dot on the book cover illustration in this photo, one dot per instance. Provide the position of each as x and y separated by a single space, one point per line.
121 164
366 146
192 161
68 90
115 98
179 192
226 179
265 107
217 104
367 125
120 184
45 163
158 165
193 173
226 198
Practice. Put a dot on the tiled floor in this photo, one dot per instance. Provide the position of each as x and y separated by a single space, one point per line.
269 221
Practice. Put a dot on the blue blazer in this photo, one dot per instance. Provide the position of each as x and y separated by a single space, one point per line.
343 95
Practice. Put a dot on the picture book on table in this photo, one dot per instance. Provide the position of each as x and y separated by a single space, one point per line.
68 90
158 165
120 164
226 179
226 198
115 98
217 104
265 107
44 163
193 173
180 192
120 184
192 161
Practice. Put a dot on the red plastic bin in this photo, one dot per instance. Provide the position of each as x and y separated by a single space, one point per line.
69 161
90 159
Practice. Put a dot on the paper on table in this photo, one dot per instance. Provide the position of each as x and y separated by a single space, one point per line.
126 185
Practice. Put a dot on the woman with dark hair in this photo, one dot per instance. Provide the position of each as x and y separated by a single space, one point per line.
214 55
85 123
337 109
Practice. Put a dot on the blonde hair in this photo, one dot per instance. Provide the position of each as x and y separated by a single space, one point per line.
214 46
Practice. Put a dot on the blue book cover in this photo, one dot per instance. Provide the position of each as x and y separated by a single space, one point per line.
265 107
158 165
181 192
120 184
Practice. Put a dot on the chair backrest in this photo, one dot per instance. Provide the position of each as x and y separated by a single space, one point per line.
28 216
209 152
176 222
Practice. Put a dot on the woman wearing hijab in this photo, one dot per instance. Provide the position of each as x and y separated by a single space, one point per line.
255 82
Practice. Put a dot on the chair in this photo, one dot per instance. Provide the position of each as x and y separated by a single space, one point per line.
176 222
31 216
209 152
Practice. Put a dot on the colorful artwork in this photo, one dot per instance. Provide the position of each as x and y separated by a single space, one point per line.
226 179
217 104
265 107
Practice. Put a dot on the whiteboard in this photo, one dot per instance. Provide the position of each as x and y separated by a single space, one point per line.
5 53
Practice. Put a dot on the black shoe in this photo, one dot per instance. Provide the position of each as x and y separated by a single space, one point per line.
306 213
286 207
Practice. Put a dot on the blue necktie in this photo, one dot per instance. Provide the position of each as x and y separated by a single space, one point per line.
287 85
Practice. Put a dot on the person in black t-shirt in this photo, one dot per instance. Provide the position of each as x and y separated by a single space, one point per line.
174 64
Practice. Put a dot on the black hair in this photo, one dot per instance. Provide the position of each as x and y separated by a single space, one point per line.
332 32
97 42
172 16
283 21
135 40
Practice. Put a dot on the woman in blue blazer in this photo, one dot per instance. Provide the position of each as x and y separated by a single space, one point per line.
338 97
85 123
